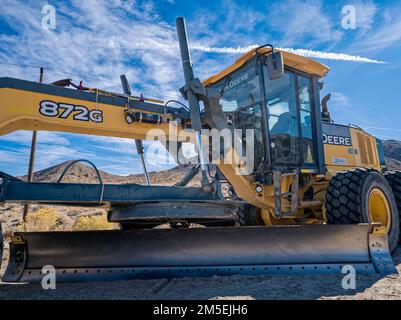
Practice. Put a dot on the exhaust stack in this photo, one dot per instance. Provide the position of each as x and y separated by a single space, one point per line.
326 117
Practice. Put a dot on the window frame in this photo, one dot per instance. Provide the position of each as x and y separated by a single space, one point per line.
301 164
254 63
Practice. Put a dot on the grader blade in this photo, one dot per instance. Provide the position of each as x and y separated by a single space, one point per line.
166 253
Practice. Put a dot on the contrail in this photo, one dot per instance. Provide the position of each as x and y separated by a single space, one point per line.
302 52
331 55
224 49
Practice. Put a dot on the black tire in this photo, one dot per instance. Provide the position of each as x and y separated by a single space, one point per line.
394 180
249 215
347 200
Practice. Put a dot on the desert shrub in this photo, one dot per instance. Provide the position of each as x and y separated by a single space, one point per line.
49 219
94 222
43 219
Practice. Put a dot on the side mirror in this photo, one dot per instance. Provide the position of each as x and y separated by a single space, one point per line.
275 65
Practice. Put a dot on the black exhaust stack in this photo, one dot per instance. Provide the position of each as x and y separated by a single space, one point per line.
326 117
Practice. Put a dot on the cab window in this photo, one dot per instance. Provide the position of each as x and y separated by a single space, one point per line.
305 104
283 119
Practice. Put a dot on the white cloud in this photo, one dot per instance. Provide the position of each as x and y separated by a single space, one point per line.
15 160
383 38
25 138
339 99
365 14
95 41
385 33
304 20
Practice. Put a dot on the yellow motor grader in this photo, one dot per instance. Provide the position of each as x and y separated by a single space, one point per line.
315 197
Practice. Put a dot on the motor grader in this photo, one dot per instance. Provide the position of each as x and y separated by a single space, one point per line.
318 196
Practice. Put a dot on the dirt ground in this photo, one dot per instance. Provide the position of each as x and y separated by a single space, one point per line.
234 287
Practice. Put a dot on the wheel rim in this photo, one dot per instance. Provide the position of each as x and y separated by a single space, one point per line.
379 208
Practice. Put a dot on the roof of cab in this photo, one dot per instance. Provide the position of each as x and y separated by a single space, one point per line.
290 59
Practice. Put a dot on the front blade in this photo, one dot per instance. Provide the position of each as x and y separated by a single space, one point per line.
102 255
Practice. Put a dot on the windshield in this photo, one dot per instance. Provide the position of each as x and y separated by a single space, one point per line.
241 102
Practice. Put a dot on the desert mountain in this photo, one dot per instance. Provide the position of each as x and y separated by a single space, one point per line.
392 151
82 173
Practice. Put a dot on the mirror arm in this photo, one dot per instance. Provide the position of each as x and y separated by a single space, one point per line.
273 52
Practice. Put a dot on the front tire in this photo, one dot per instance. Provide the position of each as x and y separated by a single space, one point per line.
363 196
249 215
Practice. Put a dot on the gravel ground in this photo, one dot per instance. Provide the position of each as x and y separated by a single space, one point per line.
234 287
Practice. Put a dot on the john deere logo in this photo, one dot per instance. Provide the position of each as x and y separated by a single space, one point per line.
337 140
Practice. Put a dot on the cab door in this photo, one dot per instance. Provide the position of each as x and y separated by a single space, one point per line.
290 106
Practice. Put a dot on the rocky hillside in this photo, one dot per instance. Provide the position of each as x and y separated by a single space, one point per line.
393 164
392 151
82 173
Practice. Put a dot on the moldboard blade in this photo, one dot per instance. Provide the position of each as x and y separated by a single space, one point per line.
164 253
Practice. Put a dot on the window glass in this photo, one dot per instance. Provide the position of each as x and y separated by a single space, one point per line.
306 119
283 119
241 103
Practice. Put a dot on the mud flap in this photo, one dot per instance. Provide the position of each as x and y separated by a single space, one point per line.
167 253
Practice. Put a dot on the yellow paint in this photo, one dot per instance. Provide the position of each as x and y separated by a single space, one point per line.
290 60
367 156
362 154
20 111
379 208
379 231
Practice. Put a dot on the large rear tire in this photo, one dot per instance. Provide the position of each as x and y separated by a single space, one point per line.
394 180
363 196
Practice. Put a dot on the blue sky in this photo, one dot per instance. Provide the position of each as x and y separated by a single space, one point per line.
97 40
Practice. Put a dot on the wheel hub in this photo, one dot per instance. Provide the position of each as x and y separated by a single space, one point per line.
379 208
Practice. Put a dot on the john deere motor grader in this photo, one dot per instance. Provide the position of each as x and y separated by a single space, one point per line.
317 198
